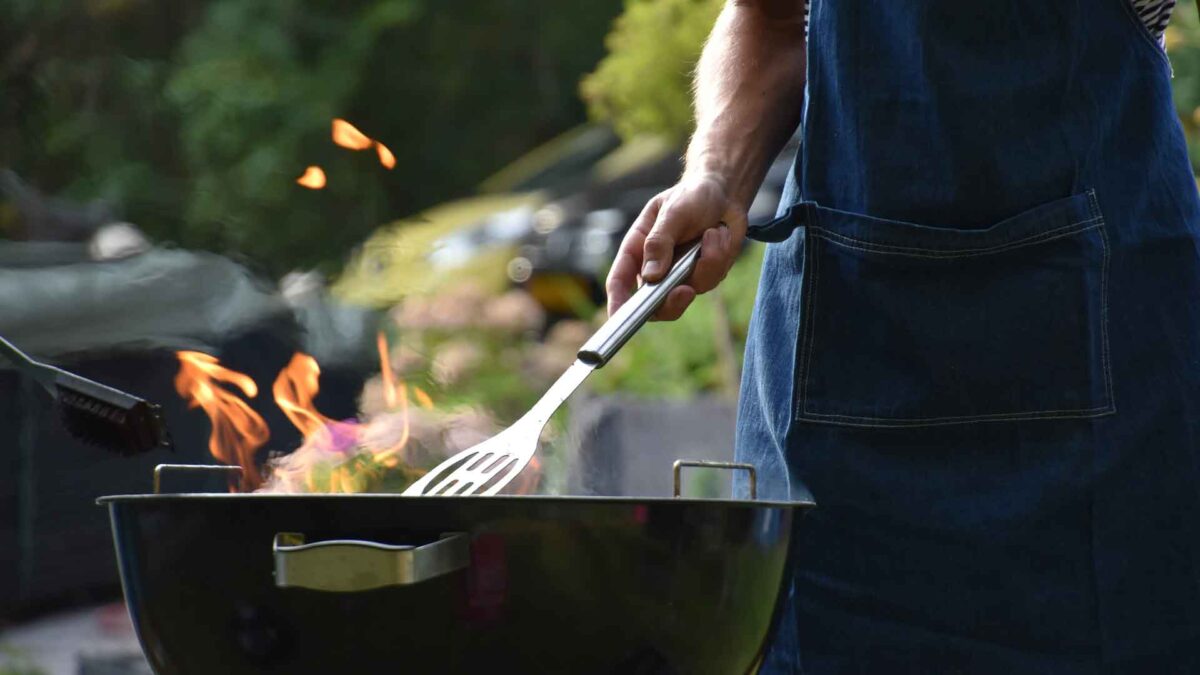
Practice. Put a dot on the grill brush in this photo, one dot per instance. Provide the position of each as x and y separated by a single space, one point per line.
94 413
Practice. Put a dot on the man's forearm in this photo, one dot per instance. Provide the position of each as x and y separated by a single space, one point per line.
749 92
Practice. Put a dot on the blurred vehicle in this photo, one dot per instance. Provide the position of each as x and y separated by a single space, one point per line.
420 253
572 241
550 223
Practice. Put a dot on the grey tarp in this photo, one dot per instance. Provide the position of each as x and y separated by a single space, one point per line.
54 301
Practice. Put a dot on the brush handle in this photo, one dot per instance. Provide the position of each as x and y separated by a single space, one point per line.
637 311
52 378
44 374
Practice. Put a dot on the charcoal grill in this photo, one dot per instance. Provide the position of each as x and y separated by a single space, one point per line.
267 583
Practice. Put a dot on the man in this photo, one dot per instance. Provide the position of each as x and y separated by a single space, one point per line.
976 338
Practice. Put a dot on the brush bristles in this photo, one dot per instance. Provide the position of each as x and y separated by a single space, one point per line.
122 424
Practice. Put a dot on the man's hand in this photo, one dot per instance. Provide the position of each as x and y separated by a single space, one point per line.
693 208
749 90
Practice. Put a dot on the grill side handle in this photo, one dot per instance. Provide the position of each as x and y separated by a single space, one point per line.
351 565
162 469
677 472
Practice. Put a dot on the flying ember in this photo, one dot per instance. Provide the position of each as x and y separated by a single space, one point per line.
348 136
386 158
313 178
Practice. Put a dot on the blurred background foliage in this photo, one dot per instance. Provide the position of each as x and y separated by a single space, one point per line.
1183 46
194 117
643 85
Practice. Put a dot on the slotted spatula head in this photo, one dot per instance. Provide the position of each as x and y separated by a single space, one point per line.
486 468
483 469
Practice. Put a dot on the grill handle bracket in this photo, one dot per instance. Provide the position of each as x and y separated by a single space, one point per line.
677 470
191 468
352 565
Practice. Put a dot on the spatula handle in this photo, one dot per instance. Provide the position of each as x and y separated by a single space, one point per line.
637 311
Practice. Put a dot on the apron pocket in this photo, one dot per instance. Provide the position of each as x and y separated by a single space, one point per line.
905 325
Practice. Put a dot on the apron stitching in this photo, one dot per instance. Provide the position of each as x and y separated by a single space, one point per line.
1108 380
874 247
812 76
1029 218
1065 102
868 423
814 260
1030 414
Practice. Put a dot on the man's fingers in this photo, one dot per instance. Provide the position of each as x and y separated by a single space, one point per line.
737 223
623 275
673 218
621 280
670 229
677 301
646 219
714 260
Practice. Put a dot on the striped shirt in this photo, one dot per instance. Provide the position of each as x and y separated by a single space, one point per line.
1154 14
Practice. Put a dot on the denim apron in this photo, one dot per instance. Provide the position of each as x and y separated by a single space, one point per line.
976 345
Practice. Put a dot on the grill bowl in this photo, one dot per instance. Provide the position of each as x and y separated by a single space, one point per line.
549 584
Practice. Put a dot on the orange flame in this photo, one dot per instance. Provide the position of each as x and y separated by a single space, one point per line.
526 481
294 390
394 395
335 456
332 448
422 398
237 431
313 178
325 440
348 136
386 158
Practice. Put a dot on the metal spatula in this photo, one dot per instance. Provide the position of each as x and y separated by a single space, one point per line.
486 468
